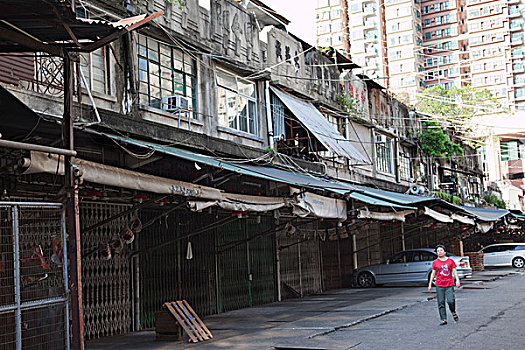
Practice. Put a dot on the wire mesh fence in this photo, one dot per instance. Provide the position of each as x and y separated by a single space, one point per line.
33 277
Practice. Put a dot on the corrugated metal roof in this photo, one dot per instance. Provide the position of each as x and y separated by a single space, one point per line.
374 201
320 127
53 23
362 193
485 214
262 172
396 197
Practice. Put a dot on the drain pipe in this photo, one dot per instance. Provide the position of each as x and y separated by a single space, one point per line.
269 119
33 147
90 98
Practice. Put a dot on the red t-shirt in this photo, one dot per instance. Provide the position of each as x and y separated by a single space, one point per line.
444 272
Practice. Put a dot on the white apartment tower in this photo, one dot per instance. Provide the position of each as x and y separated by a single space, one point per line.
406 45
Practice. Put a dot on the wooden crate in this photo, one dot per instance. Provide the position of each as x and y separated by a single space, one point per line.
167 327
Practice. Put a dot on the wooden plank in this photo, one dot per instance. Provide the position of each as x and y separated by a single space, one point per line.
190 317
190 324
181 322
197 318
194 327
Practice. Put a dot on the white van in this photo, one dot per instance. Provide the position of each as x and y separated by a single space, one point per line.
504 254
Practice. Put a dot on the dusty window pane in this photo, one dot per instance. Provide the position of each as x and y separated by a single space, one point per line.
243 114
222 108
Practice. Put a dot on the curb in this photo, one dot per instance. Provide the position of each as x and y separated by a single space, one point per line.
371 317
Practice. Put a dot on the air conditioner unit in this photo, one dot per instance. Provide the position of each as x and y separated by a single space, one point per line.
416 189
381 138
175 103
475 180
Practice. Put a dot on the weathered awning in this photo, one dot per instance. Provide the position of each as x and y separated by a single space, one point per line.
484 214
118 177
311 204
262 172
518 216
374 201
394 197
305 204
320 127
438 216
394 215
462 219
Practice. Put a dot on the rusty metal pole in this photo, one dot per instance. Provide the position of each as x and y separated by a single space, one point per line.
72 215
346 29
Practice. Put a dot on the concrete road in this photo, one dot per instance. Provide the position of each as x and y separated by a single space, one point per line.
491 307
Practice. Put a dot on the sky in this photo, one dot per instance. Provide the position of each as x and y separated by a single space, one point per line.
301 14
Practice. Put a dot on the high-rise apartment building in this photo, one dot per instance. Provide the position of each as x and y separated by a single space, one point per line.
367 38
331 24
516 94
489 47
407 45
446 60
404 45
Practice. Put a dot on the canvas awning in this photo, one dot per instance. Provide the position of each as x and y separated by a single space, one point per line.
438 216
462 219
395 215
307 204
311 204
241 202
118 177
320 127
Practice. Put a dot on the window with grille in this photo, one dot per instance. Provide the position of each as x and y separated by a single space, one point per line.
405 166
384 154
94 66
167 77
237 104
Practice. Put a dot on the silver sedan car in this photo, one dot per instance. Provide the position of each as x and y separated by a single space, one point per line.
407 266
504 254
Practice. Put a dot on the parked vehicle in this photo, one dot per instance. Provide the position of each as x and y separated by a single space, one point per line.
407 266
504 254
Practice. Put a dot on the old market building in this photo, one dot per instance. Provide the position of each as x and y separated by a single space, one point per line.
219 159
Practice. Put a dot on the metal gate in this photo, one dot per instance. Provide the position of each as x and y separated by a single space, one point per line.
106 283
246 264
34 308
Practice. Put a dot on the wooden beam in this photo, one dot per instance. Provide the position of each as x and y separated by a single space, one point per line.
30 43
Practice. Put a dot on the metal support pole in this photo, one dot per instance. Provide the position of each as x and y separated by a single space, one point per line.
278 265
354 248
65 272
403 236
300 269
461 253
16 262
72 215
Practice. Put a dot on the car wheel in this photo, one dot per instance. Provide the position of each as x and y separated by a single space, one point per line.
518 262
366 280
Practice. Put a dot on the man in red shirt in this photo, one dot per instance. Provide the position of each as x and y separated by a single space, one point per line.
443 268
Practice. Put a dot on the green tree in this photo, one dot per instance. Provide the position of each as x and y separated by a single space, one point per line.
434 142
350 105
456 104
